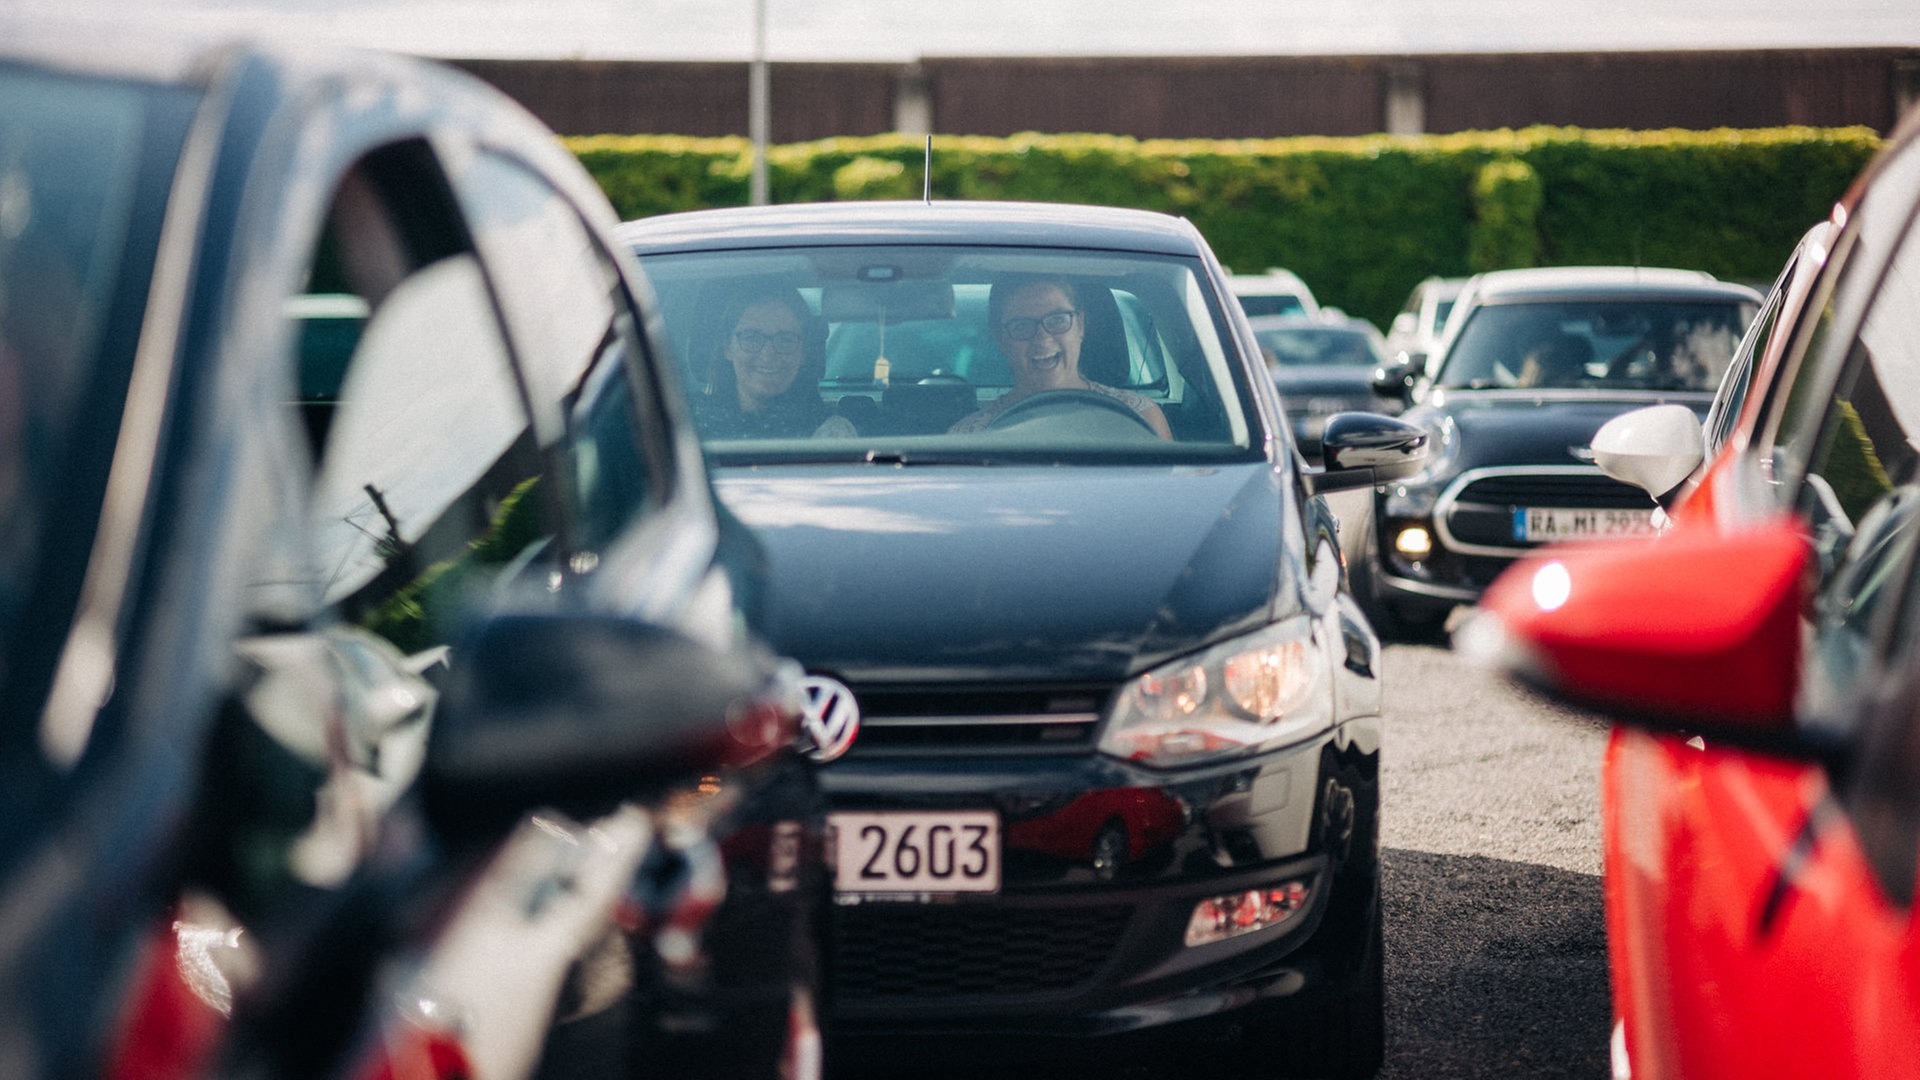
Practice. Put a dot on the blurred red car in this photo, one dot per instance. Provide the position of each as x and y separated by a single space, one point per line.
1762 791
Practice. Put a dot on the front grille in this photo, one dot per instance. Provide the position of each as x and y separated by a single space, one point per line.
922 951
923 720
1479 514
1575 490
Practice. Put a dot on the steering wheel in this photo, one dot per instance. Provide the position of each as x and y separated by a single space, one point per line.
1048 405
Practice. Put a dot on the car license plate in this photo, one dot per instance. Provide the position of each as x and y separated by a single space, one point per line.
901 853
1541 524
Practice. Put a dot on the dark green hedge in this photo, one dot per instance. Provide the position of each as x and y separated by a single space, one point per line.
1360 219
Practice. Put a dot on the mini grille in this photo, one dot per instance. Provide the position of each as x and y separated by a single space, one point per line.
926 951
1580 491
1483 511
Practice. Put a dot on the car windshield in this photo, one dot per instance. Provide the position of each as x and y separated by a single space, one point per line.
78 221
952 353
1609 345
1318 346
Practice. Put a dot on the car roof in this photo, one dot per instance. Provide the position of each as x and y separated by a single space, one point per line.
1597 282
1029 224
1273 278
1300 320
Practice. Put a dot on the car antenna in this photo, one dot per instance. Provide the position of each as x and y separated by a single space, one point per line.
926 173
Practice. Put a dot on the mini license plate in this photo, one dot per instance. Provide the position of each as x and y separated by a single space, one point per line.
908 852
1541 524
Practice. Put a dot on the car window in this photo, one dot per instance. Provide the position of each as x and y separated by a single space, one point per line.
855 351
1864 683
1797 406
426 474
84 175
1738 378
1853 446
1662 345
578 342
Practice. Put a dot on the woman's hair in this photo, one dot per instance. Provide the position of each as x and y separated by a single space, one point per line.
1004 288
813 342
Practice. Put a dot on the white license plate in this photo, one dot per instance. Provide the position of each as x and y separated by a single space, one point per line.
1539 524
907 852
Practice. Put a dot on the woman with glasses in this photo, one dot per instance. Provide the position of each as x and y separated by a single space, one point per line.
764 381
1040 326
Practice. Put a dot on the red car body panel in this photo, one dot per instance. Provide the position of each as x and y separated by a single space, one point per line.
1747 936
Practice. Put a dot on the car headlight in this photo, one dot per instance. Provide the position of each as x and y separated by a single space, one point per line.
1244 695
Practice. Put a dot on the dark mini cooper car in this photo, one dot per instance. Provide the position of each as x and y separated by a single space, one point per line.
1101 723
1533 363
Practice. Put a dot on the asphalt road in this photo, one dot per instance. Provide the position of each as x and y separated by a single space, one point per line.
1496 951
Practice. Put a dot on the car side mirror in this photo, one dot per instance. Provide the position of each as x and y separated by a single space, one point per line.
1654 449
1363 449
580 712
1394 381
1698 631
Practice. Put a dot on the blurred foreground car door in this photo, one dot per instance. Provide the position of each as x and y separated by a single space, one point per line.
1762 803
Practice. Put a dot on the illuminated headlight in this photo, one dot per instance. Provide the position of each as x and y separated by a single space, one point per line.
1245 695
1413 541
1218 918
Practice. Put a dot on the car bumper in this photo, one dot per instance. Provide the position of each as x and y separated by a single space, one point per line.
1076 946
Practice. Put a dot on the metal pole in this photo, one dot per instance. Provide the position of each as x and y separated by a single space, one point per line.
757 104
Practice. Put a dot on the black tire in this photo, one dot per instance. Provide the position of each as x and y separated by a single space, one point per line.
1341 1037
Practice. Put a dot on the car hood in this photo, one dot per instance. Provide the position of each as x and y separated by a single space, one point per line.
966 573
1521 428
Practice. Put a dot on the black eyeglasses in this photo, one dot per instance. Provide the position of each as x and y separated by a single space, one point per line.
786 343
1055 323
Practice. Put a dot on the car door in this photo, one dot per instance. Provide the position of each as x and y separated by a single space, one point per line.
395 476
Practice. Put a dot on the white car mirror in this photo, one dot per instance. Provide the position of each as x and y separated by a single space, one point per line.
1653 449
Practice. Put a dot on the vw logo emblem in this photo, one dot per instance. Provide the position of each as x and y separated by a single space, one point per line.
832 718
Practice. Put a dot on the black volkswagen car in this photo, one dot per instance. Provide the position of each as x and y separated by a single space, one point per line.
1100 722
1533 363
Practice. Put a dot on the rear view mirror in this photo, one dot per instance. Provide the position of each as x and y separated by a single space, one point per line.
1655 449
1363 449
886 301
580 712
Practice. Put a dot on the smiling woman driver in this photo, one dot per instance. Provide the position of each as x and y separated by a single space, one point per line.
1039 327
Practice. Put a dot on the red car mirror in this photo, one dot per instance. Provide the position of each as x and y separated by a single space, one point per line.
1697 630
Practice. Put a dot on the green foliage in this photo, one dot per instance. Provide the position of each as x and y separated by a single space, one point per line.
414 617
1360 219
1507 196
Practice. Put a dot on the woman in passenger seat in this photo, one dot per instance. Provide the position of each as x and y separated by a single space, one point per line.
764 380
1040 327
